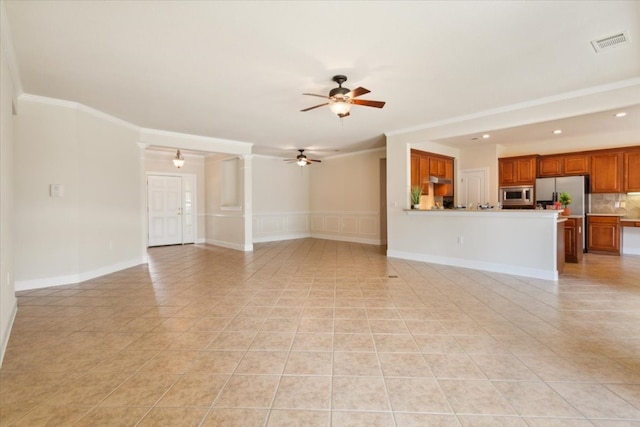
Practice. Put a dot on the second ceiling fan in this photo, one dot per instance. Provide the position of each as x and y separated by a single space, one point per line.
340 99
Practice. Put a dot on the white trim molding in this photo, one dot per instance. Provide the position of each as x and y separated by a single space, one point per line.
7 331
280 226
345 226
45 282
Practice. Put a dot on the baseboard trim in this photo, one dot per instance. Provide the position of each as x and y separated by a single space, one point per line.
279 238
25 285
351 239
7 331
236 246
476 265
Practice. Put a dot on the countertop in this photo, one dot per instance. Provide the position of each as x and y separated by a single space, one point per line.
605 214
503 213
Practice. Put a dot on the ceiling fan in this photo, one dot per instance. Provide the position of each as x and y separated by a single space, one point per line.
341 98
302 160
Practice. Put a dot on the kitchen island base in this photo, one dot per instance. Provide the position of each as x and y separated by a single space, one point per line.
518 242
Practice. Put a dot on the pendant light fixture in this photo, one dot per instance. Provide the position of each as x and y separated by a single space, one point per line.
178 160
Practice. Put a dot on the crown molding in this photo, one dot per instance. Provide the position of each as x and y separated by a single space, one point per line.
79 107
566 96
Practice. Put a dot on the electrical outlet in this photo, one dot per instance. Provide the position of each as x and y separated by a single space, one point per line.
460 240
616 204
622 204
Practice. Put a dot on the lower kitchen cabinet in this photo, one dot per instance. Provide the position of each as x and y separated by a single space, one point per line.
604 234
573 247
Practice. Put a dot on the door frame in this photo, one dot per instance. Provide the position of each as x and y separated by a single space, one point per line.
195 202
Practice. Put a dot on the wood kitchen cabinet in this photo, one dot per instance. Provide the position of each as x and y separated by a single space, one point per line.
415 169
517 170
550 166
573 247
424 164
631 181
446 189
563 165
424 174
420 170
576 164
606 172
604 234
437 167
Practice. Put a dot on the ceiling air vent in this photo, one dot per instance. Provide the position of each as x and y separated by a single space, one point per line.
611 41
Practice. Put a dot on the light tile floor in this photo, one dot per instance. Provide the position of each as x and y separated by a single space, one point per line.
321 333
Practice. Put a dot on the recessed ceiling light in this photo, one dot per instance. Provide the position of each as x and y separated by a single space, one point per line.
486 136
621 114
557 131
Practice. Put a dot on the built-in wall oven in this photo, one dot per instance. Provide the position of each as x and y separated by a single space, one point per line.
517 197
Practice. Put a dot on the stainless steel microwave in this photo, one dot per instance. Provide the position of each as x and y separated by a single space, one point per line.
516 196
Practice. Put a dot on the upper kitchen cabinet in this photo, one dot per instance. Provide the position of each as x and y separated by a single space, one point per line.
424 174
563 165
424 165
549 166
631 171
446 189
437 166
517 170
576 164
415 169
606 172
420 170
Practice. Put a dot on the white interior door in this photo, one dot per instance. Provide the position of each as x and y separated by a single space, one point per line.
165 210
473 186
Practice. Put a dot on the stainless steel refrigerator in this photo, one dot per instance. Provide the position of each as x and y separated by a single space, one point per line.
548 189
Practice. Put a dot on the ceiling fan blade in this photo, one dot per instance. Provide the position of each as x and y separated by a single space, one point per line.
315 106
313 160
376 104
320 96
357 92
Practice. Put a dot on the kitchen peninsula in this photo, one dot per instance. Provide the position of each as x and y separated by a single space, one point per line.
520 242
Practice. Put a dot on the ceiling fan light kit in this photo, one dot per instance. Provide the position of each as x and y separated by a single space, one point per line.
302 160
340 108
340 98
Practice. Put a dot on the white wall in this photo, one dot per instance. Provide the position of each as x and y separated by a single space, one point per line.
280 199
226 225
95 227
345 197
8 303
110 224
161 162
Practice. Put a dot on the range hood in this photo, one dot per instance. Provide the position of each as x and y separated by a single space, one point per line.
438 180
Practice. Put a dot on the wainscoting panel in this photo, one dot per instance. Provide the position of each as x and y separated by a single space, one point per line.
350 225
332 224
317 224
358 227
280 226
368 226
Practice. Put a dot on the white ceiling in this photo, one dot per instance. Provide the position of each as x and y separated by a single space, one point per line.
237 70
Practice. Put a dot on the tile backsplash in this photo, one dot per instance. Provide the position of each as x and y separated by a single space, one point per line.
606 203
